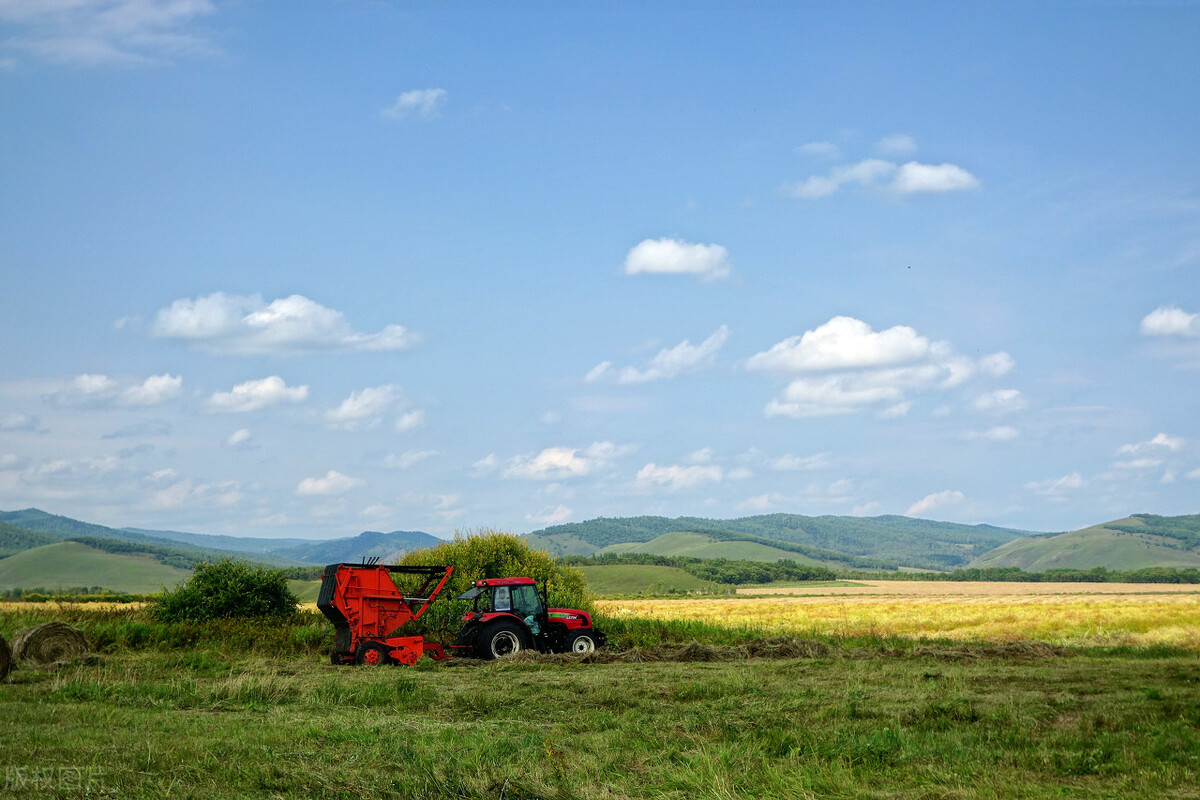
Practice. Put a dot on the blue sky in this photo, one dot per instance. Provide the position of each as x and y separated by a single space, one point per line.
304 270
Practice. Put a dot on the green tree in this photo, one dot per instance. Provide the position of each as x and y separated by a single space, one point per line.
225 589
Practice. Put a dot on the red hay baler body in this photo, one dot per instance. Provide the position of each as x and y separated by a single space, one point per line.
366 607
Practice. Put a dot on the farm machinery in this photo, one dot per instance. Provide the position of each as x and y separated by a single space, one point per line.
507 615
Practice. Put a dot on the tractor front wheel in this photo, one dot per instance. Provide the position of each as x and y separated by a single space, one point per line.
581 642
371 654
500 640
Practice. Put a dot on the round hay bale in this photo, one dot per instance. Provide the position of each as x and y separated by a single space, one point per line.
48 644
5 658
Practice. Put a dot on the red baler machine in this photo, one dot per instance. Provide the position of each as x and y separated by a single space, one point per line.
366 607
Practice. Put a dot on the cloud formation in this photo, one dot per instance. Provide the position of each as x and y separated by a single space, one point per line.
96 33
668 363
423 104
845 366
1057 488
253 395
1159 442
937 500
230 324
679 476
898 144
902 179
362 409
560 463
1171 321
677 257
99 391
333 483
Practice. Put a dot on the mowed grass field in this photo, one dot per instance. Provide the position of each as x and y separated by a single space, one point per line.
64 565
1074 613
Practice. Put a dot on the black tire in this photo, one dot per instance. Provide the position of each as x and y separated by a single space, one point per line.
372 654
500 640
581 642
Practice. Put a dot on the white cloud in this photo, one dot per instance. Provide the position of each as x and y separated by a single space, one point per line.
910 178
760 503
558 463
915 178
1193 475
229 324
702 456
334 483
820 149
154 390
1161 440
931 501
183 494
790 462
376 512
1000 433
408 459
1170 321
1055 488
485 465
677 476
253 395
844 343
92 33
669 362
896 411
1138 463
239 438
863 368
866 509
362 409
997 364
409 420
425 104
18 422
898 144
1000 401
677 257
550 516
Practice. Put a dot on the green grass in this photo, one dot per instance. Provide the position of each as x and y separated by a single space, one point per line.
698 545
1097 546
197 724
643 579
306 591
68 564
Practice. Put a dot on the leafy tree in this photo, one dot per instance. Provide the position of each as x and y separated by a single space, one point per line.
225 589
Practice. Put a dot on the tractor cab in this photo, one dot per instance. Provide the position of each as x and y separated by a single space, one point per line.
510 614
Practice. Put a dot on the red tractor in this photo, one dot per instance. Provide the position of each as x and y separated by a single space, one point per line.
508 615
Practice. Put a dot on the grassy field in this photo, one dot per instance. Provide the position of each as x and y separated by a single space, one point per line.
1090 547
64 565
642 579
697 545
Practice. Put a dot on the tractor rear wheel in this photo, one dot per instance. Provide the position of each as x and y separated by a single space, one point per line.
581 642
371 654
500 640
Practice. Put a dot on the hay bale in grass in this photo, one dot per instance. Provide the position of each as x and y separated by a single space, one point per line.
5 658
48 644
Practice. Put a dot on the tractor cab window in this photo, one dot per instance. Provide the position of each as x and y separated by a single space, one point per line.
501 599
526 602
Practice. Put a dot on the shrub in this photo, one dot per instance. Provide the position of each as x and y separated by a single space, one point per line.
486 553
228 589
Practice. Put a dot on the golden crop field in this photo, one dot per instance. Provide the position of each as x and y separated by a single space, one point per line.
1140 615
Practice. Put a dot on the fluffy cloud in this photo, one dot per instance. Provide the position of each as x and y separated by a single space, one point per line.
903 179
92 33
558 463
679 476
253 395
1170 321
409 420
790 462
898 144
230 324
1001 401
239 438
424 104
670 362
1056 488
183 494
333 483
1000 433
97 391
550 516
677 257
849 367
408 459
362 409
1161 441
931 501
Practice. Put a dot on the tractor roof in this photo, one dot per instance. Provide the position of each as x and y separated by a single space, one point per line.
505 582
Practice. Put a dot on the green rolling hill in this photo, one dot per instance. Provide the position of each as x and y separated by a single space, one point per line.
1143 540
699 545
66 565
642 579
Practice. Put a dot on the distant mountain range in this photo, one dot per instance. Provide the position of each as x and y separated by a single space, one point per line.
33 527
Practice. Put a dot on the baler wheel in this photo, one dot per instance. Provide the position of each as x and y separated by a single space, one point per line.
582 642
371 654
499 640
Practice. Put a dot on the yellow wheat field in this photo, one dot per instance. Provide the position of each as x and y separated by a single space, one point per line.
1090 619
